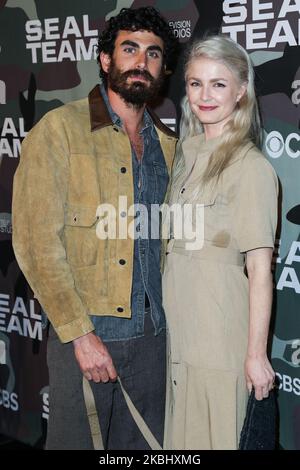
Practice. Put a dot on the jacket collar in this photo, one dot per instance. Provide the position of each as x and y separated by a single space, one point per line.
99 115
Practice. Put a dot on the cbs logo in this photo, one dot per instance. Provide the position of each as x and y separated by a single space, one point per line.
276 144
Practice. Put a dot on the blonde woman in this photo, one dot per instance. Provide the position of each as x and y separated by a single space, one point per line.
218 297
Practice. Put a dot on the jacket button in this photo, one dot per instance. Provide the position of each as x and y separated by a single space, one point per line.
122 261
123 214
123 169
120 309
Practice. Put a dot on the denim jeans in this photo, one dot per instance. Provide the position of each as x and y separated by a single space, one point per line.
140 363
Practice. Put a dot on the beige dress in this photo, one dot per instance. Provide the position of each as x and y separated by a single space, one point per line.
206 300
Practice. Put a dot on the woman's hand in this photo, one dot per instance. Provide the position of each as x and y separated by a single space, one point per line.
260 375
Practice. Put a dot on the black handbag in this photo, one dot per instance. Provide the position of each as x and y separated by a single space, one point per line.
259 428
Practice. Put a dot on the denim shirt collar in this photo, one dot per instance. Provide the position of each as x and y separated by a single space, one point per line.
117 121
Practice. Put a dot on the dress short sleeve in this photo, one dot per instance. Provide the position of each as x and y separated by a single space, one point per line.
255 214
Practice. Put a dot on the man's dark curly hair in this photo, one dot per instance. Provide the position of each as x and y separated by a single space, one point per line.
129 19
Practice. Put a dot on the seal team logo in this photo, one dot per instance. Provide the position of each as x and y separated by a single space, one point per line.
261 25
50 41
11 136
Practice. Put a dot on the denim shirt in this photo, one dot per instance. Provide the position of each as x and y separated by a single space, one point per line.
150 179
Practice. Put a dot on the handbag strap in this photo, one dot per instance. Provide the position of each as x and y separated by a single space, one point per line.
94 420
92 415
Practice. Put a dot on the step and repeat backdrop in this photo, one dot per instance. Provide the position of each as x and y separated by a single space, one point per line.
48 58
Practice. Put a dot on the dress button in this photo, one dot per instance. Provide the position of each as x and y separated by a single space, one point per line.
122 261
120 309
123 169
123 214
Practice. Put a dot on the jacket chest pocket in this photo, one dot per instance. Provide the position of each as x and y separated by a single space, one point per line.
215 216
80 237
84 182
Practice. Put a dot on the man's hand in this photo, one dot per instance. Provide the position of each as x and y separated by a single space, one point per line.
94 359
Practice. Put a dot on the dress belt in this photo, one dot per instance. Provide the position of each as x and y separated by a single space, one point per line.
207 252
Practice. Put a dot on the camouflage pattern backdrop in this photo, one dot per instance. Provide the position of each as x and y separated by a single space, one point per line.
47 58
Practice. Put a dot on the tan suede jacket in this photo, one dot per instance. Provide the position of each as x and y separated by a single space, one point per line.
73 160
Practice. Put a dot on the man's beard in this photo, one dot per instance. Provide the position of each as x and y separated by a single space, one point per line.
137 93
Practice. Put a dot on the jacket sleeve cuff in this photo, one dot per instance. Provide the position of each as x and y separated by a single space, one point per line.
74 329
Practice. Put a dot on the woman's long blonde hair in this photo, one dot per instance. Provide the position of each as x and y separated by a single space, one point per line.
245 123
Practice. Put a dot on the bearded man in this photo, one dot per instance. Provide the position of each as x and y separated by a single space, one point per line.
101 290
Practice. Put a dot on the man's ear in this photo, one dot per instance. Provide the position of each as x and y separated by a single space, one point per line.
105 61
